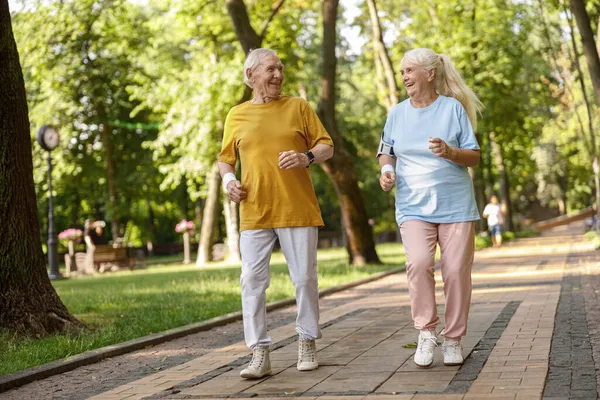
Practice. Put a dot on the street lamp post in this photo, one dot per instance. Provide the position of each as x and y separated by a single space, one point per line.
48 138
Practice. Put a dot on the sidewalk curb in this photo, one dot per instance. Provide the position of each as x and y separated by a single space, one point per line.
89 357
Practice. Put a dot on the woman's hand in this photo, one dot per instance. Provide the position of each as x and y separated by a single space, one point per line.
440 148
235 191
387 180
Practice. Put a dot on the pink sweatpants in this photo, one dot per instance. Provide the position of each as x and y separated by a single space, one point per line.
457 245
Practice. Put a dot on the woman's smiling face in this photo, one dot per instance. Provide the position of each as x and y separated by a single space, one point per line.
416 79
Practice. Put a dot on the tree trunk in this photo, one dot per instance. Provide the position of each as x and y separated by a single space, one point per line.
381 53
480 198
110 181
488 174
340 168
151 237
589 45
593 149
198 213
211 210
381 86
598 37
233 235
504 183
28 302
246 35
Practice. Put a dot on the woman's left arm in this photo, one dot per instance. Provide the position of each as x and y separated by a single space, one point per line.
463 157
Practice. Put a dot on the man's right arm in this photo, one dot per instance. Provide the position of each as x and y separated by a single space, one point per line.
231 184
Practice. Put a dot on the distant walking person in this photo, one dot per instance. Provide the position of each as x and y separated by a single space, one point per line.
275 138
494 212
428 142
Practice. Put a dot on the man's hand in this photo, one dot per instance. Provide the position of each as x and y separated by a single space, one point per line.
235 191
293 159
440 148
387 181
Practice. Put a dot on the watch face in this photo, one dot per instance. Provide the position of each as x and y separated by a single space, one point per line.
51 138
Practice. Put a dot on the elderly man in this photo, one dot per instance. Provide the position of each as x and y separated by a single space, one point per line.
275 138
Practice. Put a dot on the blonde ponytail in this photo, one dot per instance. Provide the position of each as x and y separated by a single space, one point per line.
450 83
448 80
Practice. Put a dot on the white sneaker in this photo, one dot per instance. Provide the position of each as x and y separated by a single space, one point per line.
307 355
427 342
259 366
452 351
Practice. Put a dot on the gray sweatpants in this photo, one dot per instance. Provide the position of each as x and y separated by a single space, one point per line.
299 246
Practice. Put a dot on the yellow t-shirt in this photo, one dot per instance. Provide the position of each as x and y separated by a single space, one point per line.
257 133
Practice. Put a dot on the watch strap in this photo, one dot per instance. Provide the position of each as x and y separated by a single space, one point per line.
311 157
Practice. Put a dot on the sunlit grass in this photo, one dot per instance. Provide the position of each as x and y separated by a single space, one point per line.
125 305
593 237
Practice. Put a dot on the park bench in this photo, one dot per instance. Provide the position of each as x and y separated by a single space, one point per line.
110 255
105 257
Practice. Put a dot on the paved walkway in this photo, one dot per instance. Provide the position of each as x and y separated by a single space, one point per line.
533 333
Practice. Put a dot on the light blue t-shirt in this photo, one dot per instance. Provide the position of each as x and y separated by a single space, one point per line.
430 188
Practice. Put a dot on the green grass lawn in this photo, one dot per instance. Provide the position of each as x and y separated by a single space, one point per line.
125 305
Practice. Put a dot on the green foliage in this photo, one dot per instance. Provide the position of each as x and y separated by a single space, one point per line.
162 76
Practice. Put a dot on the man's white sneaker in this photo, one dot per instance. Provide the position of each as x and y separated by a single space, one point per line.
259 366
307 355
452 351
427 342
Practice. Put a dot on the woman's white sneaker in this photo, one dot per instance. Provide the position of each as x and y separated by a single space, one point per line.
452 351
259 366
426 343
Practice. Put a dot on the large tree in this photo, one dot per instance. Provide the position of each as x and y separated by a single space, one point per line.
340 168
383 62
589 44
28 302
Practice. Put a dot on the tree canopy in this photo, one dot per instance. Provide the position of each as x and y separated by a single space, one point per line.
140 91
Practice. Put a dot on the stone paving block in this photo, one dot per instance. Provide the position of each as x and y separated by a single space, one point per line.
105 396
415 381
221 386
489 396
345 380
340 397
480 387
529 395
293 381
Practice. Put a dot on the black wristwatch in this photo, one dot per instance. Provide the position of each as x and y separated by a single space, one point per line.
311 157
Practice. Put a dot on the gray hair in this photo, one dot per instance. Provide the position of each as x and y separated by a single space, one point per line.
253 60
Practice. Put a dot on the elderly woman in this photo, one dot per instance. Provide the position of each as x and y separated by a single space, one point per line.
275 138
426 147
